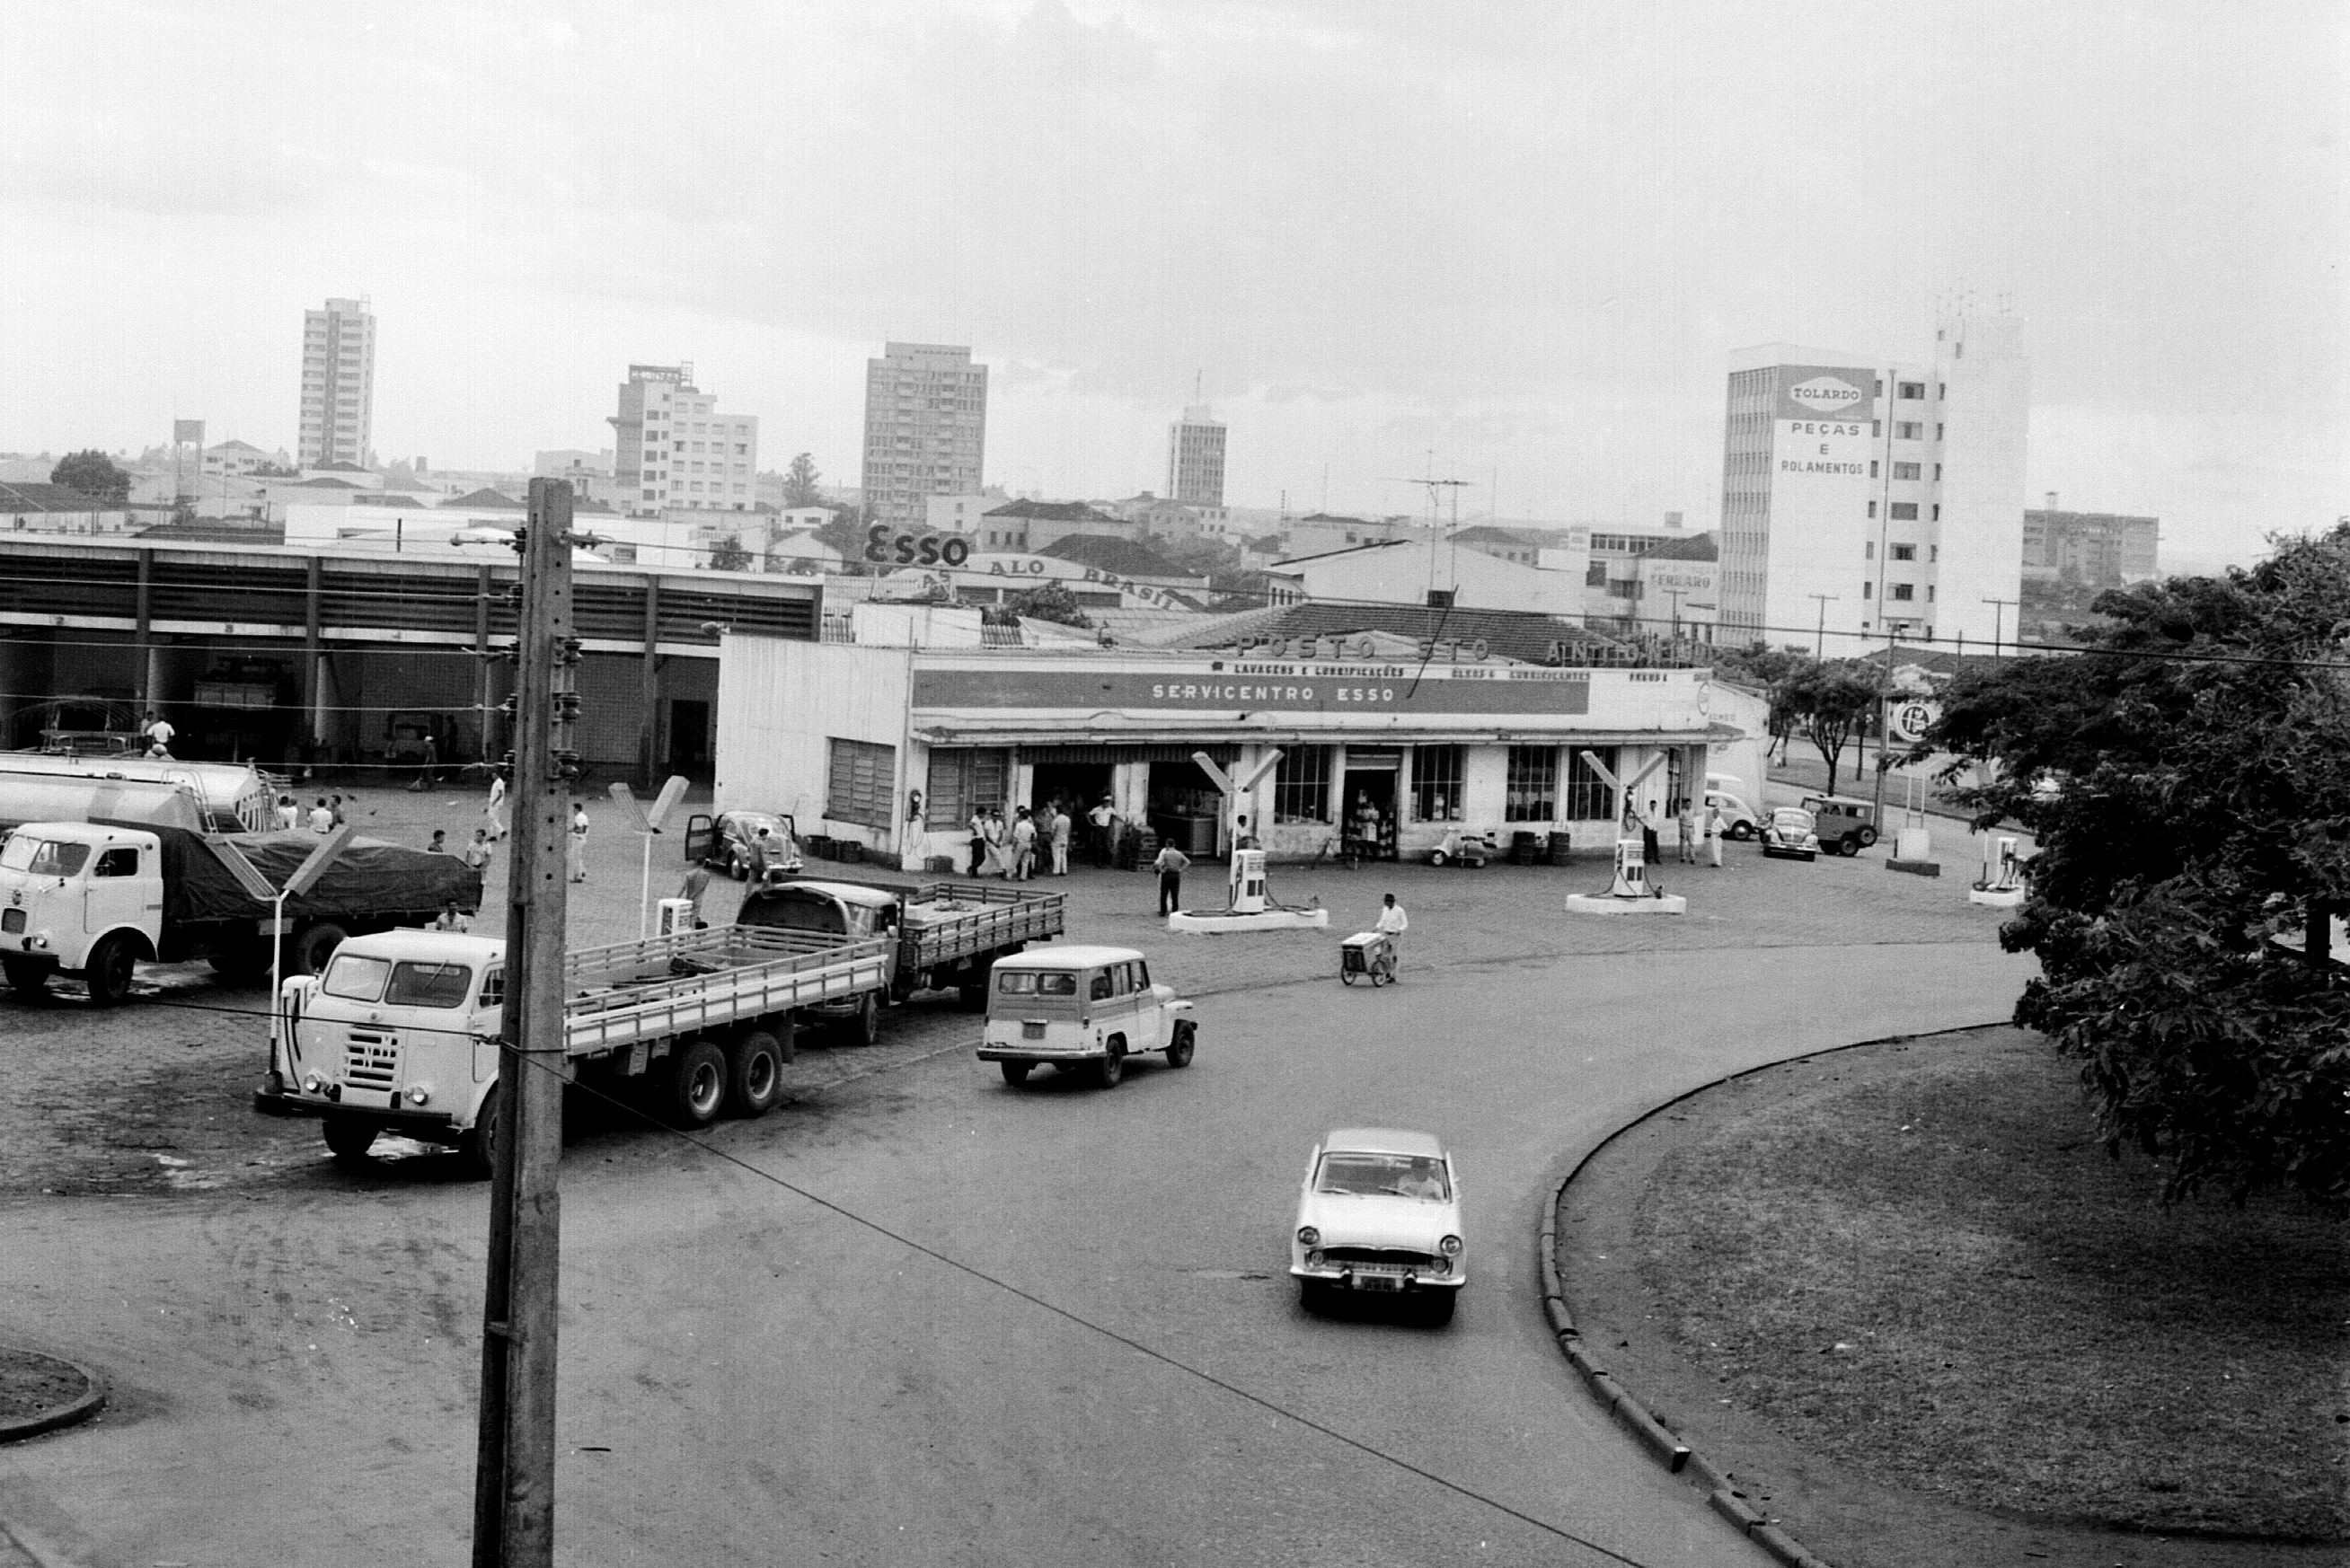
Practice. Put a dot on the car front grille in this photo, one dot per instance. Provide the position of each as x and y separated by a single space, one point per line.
12 921
1379 1258
371 1061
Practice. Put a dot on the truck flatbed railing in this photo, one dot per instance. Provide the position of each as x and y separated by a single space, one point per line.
628 993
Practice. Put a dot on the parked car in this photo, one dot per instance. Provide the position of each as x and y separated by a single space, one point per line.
1738 820
1846 825
1790 834
1380 1214
729 836
1082 1007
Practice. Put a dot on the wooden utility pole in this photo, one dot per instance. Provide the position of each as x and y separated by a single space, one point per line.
514 1479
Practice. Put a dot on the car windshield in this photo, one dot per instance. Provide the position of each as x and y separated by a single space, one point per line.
1037 983
1789 818
43 857
355 977
1363 1175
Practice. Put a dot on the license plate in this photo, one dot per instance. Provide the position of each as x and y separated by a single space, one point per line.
1377 1282
1032 1031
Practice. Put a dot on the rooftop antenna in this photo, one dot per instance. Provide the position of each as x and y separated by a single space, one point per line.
1434 484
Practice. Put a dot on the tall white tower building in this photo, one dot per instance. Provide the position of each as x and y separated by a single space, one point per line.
925 429
1195 457
1863 497
338 384
672 448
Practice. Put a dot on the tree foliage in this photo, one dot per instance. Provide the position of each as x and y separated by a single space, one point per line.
800 483
728 555
93 474
2188 781
1046 601
846 534
1829 702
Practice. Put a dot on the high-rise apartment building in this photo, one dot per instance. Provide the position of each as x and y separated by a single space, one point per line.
672 449
2099 550
1195 457
925 429
1863 498
337 383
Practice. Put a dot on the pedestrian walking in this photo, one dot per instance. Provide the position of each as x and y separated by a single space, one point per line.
1392 924
431 779
478 853
762 853
999 850
696 883
1024 847
1171 865
1715 826
289 814
322 821
440 844
978 840
579 841
496 809
1650 854
335 809
1686 822
158 733
1060 842
1101 817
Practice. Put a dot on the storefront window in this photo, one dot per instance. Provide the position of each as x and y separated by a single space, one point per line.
1532 792
1436 783
858 779
1301 787
964 779
1588 798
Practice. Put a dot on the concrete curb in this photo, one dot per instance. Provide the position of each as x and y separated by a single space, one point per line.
1676 1456
93 1398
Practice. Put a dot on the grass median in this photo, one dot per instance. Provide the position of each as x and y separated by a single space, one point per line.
1924 1264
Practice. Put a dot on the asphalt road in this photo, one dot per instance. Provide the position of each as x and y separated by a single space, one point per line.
980 1325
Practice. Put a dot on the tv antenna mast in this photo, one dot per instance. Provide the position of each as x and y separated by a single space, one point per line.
1434 487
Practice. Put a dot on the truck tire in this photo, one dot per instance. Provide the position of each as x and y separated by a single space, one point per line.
785 1028
477 1145
348 1138
27 977
1868 838
1179 1049
972 993
863 1027
697 1084
108 971
309 952
1109 1069
754 1073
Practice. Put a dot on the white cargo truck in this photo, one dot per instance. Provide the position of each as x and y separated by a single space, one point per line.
401 1033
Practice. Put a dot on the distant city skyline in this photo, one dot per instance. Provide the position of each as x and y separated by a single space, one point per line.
1515 245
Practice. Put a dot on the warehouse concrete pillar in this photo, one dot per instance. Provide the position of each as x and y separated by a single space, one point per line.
648 757
314 696
149 676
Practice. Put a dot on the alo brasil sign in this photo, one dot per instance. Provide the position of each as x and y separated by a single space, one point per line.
1236 686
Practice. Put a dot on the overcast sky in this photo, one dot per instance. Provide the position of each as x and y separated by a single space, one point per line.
1521 239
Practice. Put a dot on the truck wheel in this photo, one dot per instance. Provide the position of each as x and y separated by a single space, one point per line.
1015 1072
1868 838
1179 1051
1109 1069
697 1084
754 1073
26 976
863 1026
350 1138
477 1145
108 971
1848 845
308 952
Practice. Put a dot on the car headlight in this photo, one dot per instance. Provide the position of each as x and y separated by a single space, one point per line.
1314 1259
419 1093
1307 1236
310 1082
1450 1246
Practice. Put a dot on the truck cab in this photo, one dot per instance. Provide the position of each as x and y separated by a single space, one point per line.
398 1035
1081 1006
79 899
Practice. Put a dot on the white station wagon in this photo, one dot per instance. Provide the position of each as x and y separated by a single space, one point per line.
1380 1213
1093 1007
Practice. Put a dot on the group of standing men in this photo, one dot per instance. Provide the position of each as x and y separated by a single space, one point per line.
1696 828
1013 849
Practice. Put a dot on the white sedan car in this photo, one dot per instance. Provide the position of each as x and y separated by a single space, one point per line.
1380 1214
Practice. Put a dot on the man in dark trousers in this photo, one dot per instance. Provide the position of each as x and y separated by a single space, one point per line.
1170 866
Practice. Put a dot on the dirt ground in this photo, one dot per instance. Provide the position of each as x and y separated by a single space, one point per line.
1904 1293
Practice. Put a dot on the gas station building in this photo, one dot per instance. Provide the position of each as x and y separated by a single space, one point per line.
893 747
